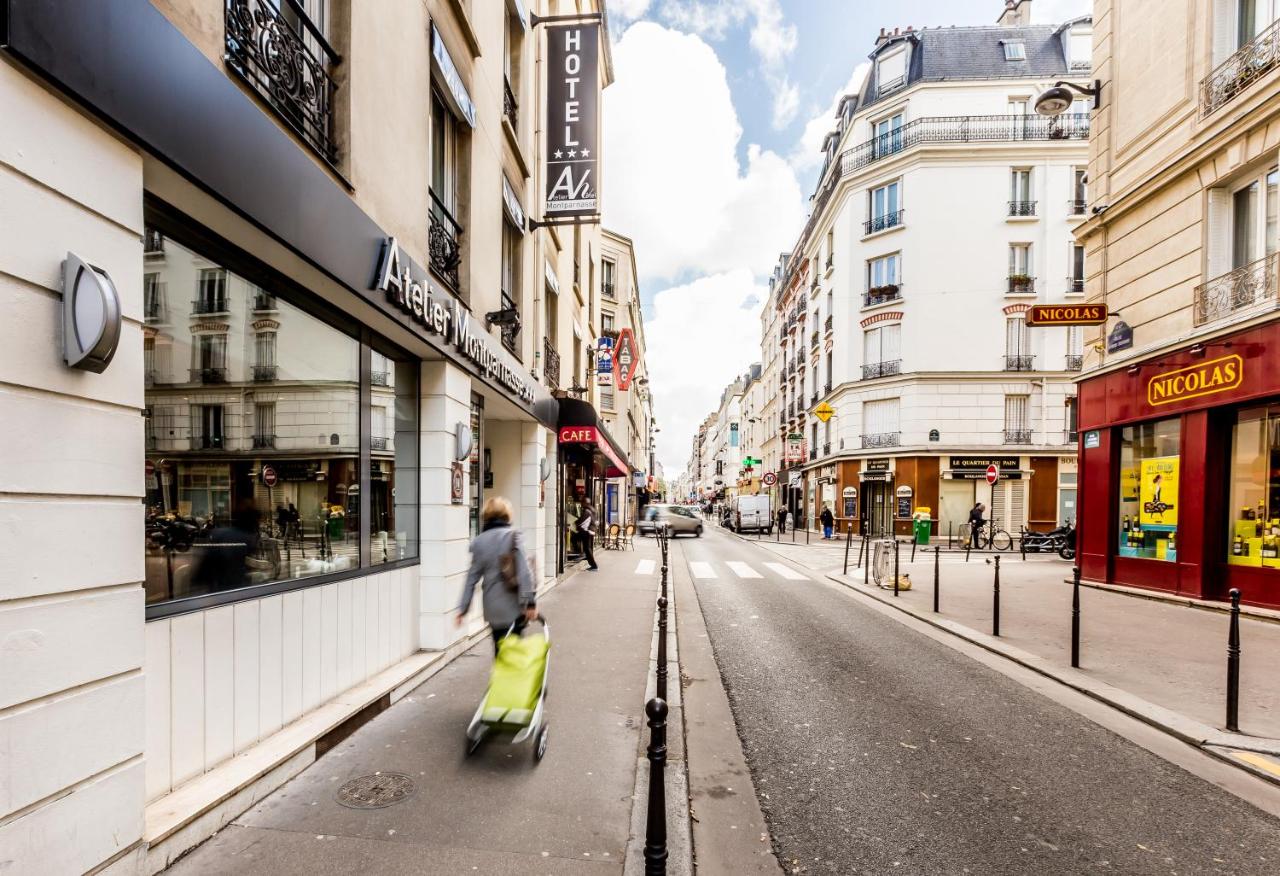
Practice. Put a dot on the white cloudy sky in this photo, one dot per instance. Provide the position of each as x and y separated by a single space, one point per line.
711 133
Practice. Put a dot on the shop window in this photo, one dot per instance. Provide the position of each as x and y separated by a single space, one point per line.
1253 537
393 463
1147 507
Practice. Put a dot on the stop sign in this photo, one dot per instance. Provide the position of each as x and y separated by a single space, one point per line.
993 473
269 476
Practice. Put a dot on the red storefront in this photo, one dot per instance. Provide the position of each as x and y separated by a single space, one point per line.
1180 470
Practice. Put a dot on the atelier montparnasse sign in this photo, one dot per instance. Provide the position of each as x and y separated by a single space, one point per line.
573 119
447 318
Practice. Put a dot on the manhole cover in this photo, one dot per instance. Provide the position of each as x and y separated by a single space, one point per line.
376 791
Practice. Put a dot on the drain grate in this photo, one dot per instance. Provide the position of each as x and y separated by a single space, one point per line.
376 791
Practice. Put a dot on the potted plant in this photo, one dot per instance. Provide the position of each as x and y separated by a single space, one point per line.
1019 283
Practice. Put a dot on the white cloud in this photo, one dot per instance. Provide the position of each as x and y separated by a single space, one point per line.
628 10
672 177
692 359
808 152
772 39
786 103
1058 11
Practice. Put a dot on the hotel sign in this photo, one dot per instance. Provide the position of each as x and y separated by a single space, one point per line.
1067 314
1193 381
573 96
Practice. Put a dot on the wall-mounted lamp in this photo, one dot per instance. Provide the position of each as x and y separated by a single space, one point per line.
1197 350
1133 370
1057 100
462 441
90 316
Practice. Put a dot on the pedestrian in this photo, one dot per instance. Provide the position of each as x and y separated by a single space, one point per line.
975 524
585 527
828 521
782 520
500 567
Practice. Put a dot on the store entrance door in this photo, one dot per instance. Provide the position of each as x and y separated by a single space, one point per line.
878 499
955 501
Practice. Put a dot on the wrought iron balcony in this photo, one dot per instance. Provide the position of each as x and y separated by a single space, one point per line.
1017 436
882 294
1077 207
280 53
510 109
1022 208
210 304
1019 363
264 373
882 439
445 243
827 388
1075 285
510 331
264 302
831 260
813 400
830 323
208 375
152 242
881 369
607 290
380 378
815 338
206 442
1021 284
262 442
826 449
377 443
882 223
1074 362
153 303
813 454
550 363
1233 76
1253 285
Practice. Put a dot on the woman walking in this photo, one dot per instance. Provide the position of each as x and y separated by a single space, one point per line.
499 565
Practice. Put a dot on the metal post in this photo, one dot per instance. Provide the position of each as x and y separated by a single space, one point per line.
866 572
1075 617
662 648
848 543
655 835
862 546
1022 543
806 530
995 608
913 543
937 554
1233 665
895 566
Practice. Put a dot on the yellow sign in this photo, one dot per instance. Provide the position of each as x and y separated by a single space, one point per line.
1216 375
823 412
1159 491
1129 484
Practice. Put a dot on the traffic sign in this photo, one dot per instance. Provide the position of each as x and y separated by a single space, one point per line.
149 468
269 476
769 479
823 412
993 474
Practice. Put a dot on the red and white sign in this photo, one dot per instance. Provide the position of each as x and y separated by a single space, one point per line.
625 358
769 479
149 468
269 476
578 435
993 474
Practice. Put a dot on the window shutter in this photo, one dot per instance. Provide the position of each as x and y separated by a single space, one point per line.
1017 506
1219 260
891 342
871 346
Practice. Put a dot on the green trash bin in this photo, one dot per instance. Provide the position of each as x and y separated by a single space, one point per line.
922 528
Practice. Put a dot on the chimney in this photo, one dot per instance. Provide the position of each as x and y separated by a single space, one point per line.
1017 13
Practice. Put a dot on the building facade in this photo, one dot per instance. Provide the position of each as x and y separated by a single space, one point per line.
909 324
341 332
1180 445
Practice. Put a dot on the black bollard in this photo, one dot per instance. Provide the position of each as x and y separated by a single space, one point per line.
968 544
937 554
1075 617
866 571
662 648
895 566
913 546
655 834
995 607
848 543
806 532
1233 665
862 547
1022 544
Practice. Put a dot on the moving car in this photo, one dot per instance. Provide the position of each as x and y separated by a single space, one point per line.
752 514
680 518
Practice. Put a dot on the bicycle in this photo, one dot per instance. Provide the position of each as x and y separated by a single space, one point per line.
990 537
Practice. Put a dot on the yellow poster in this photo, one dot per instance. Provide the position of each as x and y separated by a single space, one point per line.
1129 484
1159 491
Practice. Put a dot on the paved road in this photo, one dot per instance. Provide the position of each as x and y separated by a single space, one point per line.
875 749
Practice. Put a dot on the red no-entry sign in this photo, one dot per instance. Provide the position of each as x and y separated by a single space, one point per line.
269 476
993 473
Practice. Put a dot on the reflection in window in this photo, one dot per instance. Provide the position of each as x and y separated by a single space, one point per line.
1253 537
1148 491
393 466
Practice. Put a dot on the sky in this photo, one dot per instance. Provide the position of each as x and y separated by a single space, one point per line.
711 132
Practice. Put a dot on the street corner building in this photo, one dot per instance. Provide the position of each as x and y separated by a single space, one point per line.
282 311
1179 412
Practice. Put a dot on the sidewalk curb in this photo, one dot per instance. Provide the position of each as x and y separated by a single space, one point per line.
1185 729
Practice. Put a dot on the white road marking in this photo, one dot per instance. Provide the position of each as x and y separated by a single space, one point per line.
786 572
645 567
742 570
702 570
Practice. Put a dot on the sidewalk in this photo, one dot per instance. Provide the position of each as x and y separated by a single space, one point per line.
496 812
1170 655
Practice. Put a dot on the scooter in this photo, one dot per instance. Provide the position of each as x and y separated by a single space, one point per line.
1049 542
1068 549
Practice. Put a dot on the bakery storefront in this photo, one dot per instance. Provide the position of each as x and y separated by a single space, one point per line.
1180 471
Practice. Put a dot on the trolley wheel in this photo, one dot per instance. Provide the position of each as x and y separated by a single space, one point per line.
540 744
1001 541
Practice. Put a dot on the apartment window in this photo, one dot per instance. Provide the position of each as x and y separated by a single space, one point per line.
1016 422
606 397
606 321
1253 17
1080 49
880 423
891 69
882 346
1017 344
445 251
264 425
1069 419
608 273
1020 279
883 276
153 293
1075 348
512 247
1253 219
885 207
1076 279
206 430
264 348
209 358
831 247
1014 50
211 291
1021 198
888 135
514 43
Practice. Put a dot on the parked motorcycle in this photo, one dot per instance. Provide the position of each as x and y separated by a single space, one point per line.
1047 542
1068 549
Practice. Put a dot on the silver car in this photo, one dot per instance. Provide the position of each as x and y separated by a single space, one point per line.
680 519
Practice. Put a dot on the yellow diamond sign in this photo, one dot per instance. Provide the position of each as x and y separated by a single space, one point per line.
823 412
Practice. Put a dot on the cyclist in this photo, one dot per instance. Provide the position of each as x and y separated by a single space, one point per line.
975 524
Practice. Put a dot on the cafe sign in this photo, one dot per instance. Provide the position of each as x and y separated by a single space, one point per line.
1067 314
1193 381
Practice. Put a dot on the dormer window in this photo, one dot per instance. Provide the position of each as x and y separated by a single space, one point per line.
1015 50
1080 49
891 70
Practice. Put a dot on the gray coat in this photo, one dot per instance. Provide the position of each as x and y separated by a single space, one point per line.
501 606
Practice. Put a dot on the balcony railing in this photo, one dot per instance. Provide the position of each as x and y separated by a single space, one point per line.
510 331
1022 208
210 304
826 389
445 243
208 375
1021 284
881 369
264 373
1019 363
607 290
1077 207
206 442
829 325
1250 286
882 439
276 48
826 449
1074 362
153 302
264 302
1075 285
262 442
882 223
510 109
550 363
882 294
813 454
815 339
377 443
1017 436
1233 76
380 378
152 242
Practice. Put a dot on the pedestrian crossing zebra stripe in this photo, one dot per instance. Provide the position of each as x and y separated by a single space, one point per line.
702 570
742 570
786 572
645 567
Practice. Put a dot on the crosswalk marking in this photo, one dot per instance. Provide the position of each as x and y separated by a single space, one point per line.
645 567
702 570
786 572
742 570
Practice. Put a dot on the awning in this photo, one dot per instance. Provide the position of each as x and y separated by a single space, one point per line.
579 424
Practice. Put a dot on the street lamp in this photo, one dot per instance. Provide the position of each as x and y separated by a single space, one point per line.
1057 100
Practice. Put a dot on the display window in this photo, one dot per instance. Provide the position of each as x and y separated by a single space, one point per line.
257 452
1147 511
1253 533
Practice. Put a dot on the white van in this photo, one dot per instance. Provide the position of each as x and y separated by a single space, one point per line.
751 514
